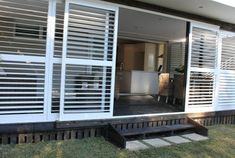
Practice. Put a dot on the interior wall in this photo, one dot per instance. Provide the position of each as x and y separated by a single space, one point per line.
133 56
150 62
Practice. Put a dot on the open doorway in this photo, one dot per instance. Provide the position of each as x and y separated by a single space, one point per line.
150 71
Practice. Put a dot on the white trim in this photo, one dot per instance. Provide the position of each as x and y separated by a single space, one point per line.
217 77
22 58
27 118
206 26
114 61
63 64
224 108
147 115
202 70
87 62
85 116
51 20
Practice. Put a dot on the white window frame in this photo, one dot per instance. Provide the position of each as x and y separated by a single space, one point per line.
198 108
219 72
87 116
46 115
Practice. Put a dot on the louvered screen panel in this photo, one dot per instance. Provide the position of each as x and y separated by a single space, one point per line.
21 87
177 53
22 56
228 52
202 68
88 62
87 89
204 48
201 89
226 93
90 33
23 27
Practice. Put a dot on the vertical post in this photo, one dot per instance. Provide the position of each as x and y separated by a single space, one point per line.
188 64
106 47
113 75
51 20
217 71
63 64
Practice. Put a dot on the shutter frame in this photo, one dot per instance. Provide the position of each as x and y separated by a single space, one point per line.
86 66
198 67
226 75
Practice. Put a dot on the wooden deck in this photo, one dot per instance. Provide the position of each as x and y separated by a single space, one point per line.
145 104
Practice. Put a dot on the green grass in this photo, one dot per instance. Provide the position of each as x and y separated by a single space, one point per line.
220 145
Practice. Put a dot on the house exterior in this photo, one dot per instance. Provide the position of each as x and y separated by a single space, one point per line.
50 48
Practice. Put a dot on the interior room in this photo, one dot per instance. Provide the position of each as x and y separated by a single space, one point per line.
150 64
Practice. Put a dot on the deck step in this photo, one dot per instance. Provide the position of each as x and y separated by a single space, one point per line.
119 136
152 130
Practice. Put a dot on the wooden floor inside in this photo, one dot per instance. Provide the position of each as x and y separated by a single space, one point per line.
142 104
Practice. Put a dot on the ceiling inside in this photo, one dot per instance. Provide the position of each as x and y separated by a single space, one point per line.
145 26
207 8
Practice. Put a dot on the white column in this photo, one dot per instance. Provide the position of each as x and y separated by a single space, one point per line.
51 20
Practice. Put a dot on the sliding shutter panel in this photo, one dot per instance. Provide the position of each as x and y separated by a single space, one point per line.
88 63
22 59
226 90
203 48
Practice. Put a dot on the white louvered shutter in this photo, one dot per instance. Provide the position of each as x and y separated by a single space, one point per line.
177 53
203 49
226 90
22 59
88 62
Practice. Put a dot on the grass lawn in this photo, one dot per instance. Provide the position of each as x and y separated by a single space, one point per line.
220 145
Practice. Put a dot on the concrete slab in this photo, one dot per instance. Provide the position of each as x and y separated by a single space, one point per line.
135 145
195 137
176 139
156 142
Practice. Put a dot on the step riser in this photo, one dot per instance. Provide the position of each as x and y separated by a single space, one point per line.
156 135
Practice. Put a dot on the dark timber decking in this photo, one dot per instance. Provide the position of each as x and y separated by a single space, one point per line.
37 132
136 105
